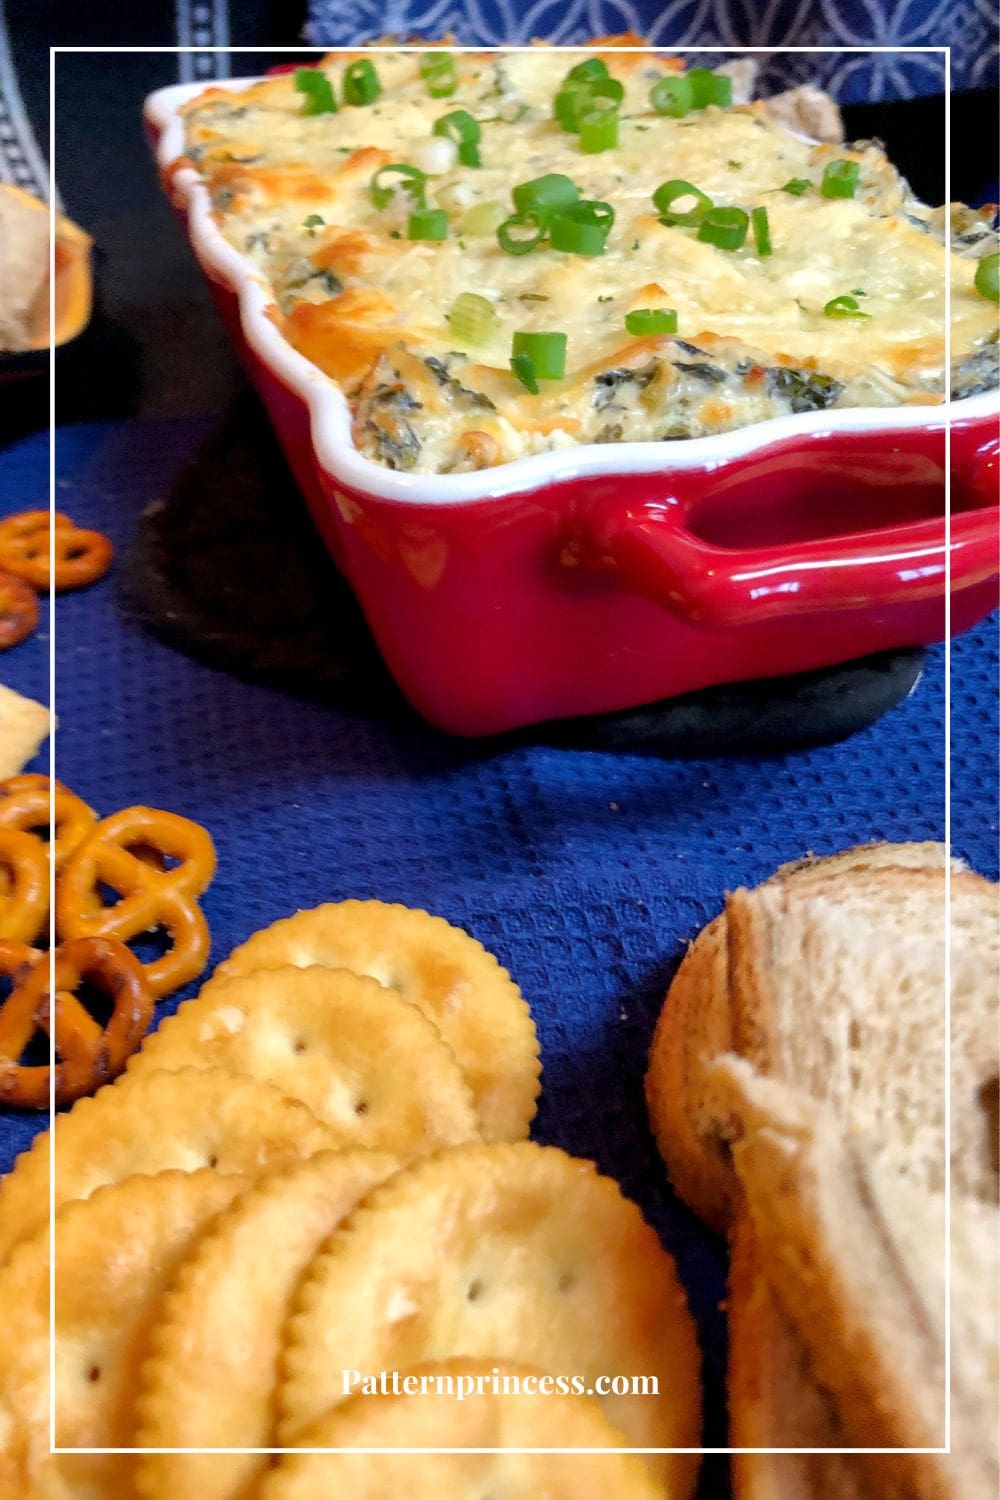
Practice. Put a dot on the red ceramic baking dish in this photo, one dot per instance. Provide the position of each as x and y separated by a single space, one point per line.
609 576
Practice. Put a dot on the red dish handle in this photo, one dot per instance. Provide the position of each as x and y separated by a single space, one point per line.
657 556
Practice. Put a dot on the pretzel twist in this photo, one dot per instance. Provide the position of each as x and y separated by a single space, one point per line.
18 609
28 800
79 556
89 1054
24 900
128 852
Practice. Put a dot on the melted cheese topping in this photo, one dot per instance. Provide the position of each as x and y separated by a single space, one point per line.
369 306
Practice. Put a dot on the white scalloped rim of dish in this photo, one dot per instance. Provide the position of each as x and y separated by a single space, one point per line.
330 414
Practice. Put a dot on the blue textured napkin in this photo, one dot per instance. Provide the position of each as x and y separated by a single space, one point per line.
967 26
585 872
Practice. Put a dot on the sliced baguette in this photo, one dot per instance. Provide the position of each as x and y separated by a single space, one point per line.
696 1024
854 1253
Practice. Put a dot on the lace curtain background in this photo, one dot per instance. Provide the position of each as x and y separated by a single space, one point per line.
969 27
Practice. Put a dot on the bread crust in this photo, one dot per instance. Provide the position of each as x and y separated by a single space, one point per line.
694 1023
774 1401
708 1011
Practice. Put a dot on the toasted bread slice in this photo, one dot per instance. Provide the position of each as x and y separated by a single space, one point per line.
855 1254
774 1400
837 988
696 1024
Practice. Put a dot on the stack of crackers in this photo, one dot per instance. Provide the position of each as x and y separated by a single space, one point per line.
315 1172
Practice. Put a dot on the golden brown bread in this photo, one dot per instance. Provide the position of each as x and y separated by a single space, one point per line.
828 977
712 1007
774 1401
855 1256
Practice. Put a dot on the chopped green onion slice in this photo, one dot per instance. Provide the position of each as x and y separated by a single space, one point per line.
437 69
411 179
672 96
579 99
471 318
582 228
598 131
588 72
460 127
761 231
427 224
569 104
522 367
669 193
312 221
546 351
988 277
608 88
646 320
724 227
517 243
797 186
844 307
482 218
318 90
544 195
840 178
709 88
361 85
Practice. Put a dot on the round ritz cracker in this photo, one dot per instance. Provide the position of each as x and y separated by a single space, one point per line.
501 1252
367 1064
212 1367
114 1254
186 1119
481 1419
440 969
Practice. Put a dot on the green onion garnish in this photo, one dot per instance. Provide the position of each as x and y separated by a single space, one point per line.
482 218
646 320
569 104
460 127
709 88
544 195
361 85
840 178
598 131
427 224
724 227
844 307
608 88
411 179
522 367
582 228
797 186
471 318
588 72
546 351
668 193
988 277
580 98
516 243
312 221
672 96
437 69
761 231
318 90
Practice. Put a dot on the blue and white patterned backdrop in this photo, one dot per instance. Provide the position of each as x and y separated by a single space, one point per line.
969 27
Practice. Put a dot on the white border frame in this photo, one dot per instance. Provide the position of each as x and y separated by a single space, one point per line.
637 461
